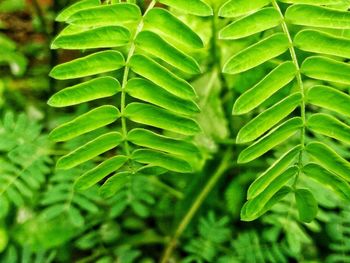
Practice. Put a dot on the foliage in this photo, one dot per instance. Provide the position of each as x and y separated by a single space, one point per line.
134 131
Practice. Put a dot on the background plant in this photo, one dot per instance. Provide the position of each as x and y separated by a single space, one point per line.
114 203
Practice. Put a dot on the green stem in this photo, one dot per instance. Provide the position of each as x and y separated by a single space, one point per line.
301 88
125 79
196 205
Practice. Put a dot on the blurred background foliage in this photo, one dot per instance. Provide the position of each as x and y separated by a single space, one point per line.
43 219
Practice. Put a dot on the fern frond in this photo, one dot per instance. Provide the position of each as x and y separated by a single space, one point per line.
156 42
24 160
318 51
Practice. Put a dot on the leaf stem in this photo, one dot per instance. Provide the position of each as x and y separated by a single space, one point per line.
301 88
126 76
196 205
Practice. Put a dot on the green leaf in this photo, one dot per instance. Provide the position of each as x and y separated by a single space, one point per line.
259 21
317 16
115 184
155 45
101 37
99 172
162 21
270 84
340 186
194 7
145 138
268 118
257 54
270 140
66 13
329 159
273 200
326 69
235 8
329 126
160 118
329 98
93 64
306 204
323 43
92 120
161 76
90 90
90 150
106 15
278 167
147 91
256 205
160 159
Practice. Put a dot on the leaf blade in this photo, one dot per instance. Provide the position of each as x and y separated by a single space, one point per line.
90 90
160 118
90 150
259 21
266 49
270 84
92 120
93 64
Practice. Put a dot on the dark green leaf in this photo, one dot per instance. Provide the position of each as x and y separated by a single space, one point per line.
306 204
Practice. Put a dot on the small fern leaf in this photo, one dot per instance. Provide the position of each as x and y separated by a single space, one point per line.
105 15
264 50
256 205
156 46
271 140
163 160
100 37
160 118
92 120
149 92
90 150
270 84
163 22
306 204
330 99
259 21
317 16
161 76
145 138
322 43
329 159
326 69
278 167
321 123
267 119
114 184
93 64
338 184
90 90
99 172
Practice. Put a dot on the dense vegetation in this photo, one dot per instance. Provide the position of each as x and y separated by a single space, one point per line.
174 131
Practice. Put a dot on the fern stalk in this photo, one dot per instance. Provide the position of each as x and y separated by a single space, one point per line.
301 88
222 168
126 75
